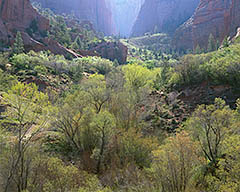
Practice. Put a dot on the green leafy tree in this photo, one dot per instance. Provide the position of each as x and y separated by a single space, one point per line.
175 163
210 125
227 175
52 174
137 76
225 42
98 93
26 116
18 46
104 124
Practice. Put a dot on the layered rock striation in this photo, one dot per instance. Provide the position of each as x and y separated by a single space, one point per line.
163 15
220 18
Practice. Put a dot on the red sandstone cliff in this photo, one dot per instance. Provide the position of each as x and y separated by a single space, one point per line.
19 15
219 17
163 15
95 11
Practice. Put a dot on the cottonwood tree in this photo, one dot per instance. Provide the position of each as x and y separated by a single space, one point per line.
26 116
103 124
174 163
210 124
97 91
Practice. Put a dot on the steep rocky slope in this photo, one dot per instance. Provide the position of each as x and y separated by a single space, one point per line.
95 11
163 15
219 17
19 15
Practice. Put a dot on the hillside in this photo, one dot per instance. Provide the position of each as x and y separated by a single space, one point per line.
95 11
84 112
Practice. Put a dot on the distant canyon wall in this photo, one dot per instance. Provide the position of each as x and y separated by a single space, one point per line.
125 13
217 17
96 11
163 15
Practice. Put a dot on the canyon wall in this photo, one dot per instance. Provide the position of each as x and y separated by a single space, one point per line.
217 17
19 15
125 13
96 11
163 15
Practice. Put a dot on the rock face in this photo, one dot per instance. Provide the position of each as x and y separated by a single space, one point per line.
95 11
217 17
163 15
19 15
112 51
108 50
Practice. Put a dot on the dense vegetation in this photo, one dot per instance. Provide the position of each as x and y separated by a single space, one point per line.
90 124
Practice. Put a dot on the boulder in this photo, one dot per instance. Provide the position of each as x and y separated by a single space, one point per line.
112 51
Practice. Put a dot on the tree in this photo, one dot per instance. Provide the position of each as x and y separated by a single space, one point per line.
60 31
77 44
137 76
74 46
97 91
104 124
18 46
175 162
197 50
227 176
209 125
225 42
52 174
26 116
211 43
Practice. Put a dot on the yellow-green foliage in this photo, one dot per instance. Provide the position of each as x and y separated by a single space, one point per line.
138 77
175 163
221 66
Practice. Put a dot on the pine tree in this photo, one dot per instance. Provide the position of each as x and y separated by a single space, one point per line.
197 50
18 46
211 43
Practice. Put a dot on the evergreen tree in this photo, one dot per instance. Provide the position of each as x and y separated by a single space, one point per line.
225 42
74 46
18 46
197 50
77 44
217 44
211 43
